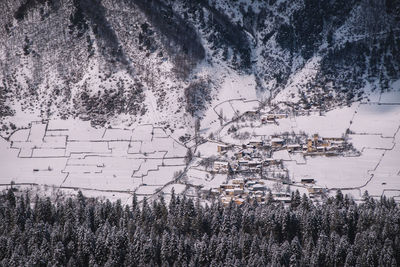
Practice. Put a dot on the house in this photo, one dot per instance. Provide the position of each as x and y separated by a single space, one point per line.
239 201
237 191
238 181
251 112
305 148
268 118
243 163
281 115
250 183
215 191
282 197
222 148
259 198
271 118
310 146
254 164
227 186
226 200
293 148
221 166
281 194
316 190
239 155
257 187
307 181
277 142
270 162
230 192
255 143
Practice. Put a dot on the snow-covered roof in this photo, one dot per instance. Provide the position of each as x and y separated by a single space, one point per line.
221 162
294 145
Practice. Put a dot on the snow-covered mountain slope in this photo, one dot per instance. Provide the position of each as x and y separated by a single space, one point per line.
164 62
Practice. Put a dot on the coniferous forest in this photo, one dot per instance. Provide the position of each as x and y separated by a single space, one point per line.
88 232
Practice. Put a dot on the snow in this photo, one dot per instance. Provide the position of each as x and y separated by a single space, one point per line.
125 198
118 146
333 123
20 135
298 158
174 161
376 119
336 172
142 133
147 190
146 166
281 154
299 80
48 152
87 147
362 141
117 135
387 174
22 170
161 176
54 142
178 188
92 181
159 133
233 87
37 132
203 178
208 149
72 154
392 97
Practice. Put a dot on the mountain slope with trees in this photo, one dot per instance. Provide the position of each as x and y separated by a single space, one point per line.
99 59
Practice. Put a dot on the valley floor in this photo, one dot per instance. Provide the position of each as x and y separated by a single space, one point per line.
114 163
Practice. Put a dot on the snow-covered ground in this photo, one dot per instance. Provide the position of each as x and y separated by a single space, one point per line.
71 155
115 162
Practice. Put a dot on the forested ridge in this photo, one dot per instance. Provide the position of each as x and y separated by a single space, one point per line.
87 232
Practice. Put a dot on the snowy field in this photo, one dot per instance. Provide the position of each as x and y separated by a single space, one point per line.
71 155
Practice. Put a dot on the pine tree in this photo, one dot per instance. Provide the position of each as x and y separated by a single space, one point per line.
11 198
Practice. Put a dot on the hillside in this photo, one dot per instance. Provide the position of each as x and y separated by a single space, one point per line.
164 62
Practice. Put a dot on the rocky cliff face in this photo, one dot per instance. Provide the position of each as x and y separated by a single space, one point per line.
156 60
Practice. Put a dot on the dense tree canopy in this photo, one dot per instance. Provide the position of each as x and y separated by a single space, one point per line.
88 232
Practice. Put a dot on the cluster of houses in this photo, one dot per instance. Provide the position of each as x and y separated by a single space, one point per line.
239 190
254 160
273 118
248 165
313 190
252 189
249 155
255 164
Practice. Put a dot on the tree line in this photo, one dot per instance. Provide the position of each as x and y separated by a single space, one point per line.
82 231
